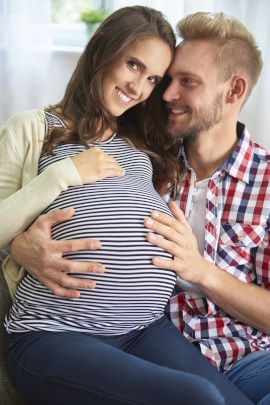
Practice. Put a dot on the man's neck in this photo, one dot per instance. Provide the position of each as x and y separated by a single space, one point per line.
210 150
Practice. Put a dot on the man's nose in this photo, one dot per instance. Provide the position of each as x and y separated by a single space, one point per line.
172 92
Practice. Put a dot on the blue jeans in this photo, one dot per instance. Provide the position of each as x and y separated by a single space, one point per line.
154 366
251 375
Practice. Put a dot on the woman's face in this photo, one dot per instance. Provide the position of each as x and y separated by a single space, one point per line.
133 81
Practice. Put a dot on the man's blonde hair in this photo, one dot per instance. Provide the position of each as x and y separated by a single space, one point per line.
238 53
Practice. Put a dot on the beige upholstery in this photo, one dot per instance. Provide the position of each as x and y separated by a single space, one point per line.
8 392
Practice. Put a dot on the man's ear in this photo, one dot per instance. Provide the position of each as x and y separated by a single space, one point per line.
237 90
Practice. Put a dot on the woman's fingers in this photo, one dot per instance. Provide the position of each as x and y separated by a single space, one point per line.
94 165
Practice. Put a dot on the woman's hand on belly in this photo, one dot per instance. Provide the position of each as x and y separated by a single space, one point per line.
94 165
42 257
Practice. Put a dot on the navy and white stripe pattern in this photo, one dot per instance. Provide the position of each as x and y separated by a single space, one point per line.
132 293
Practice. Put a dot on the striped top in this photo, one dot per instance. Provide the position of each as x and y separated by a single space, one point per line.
132 293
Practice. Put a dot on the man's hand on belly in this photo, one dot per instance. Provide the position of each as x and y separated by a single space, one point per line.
42 257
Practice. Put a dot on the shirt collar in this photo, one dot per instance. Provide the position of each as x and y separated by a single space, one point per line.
239 162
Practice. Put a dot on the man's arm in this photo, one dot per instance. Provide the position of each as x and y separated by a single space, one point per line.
246 302
42 257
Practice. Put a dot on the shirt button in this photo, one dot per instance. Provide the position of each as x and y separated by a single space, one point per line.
191 182
240 237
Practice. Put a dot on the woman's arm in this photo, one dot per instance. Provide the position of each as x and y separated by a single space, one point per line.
20 204
23 193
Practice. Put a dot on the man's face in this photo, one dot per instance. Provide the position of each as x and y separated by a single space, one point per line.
195 95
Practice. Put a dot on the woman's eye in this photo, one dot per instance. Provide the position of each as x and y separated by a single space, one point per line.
153 80
133 65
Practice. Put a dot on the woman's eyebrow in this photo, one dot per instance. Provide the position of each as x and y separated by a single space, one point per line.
134 59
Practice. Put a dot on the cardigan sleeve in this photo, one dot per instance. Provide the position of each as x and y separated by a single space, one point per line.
21 204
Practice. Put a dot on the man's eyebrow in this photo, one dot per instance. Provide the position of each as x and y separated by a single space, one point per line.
190 74
185 73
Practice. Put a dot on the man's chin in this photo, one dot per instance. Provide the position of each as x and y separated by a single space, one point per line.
182 133
175 131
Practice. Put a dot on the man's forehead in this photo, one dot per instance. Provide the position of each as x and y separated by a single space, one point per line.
194 57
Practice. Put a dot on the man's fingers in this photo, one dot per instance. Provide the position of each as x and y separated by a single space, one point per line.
178 214
47 220
167 231
56 289
73 267
165 263
59 281
168 246
74 245
167 220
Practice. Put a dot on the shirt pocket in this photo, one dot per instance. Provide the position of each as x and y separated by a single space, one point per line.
241 235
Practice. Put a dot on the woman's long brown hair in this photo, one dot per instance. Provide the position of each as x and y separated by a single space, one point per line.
83 106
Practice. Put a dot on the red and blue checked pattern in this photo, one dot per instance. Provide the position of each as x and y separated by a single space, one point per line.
236 240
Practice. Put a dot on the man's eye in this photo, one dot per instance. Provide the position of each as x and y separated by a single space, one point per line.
187 80
133 65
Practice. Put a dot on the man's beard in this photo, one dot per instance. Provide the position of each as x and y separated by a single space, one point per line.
203 119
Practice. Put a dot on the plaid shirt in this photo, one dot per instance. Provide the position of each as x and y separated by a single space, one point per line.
237 241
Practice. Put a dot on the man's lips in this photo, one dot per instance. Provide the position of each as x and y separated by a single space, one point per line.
177 111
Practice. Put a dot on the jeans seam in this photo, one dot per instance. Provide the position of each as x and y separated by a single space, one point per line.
144 332
253 375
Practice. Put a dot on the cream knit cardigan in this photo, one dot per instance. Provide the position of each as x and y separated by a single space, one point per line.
24 194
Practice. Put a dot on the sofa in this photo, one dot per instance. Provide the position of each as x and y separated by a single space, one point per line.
8 393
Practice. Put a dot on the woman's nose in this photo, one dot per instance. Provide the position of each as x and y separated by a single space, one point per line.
136 87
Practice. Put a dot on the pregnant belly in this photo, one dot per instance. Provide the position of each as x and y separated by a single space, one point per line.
114 213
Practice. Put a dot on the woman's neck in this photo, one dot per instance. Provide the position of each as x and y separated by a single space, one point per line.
107 134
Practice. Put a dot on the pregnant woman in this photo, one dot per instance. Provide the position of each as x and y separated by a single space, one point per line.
112 345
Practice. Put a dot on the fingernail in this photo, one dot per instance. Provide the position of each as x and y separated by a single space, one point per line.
96 245
149 222
90 285
156 260
67 209
152 236
155 214
98 269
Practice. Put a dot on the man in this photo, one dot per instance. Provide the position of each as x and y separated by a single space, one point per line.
222 246
220 237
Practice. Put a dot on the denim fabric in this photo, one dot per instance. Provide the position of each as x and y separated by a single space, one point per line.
154 366
251 375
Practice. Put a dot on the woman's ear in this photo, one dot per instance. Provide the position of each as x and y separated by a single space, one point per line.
237 90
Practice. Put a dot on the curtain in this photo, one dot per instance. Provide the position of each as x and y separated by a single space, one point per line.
24 54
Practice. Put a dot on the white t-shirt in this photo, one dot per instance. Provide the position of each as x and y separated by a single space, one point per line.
197 223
